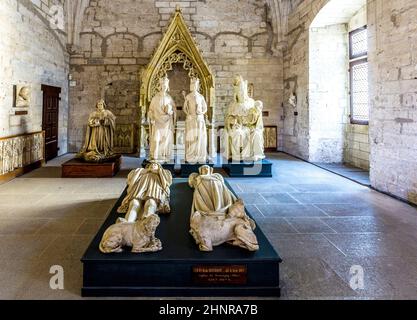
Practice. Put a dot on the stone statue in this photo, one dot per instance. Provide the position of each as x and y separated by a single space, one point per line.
256 132
292 101
195 108
139 235
162 117
23 97
8 156
148 192
100 136
244 126
217 216
210 192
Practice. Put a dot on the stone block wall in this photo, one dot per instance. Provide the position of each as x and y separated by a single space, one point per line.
392 33
328 93
31 54
296 79
118 38
393 79
356 149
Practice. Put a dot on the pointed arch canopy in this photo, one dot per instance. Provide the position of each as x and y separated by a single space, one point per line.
177 46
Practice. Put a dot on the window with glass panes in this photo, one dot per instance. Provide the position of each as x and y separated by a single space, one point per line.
358 56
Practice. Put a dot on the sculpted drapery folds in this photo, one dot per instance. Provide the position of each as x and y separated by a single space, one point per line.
99 138
162 118
217 216
195 107
244 125
210 193
148 192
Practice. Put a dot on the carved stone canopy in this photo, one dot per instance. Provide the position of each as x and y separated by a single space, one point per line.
177 46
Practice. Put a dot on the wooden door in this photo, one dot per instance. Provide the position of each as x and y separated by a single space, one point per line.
50 120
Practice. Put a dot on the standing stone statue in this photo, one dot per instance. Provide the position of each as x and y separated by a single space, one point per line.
195 108
244 126
162 118
217 216
148 193
100 135
256 132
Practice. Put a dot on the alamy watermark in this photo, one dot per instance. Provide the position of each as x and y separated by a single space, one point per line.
56 282
357 280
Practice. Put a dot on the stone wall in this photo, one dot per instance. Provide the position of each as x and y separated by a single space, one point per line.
393 100
315 130
118 38
328 92
356 150
296 78
393 79
31 54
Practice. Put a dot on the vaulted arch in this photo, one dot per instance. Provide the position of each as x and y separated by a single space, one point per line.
177 46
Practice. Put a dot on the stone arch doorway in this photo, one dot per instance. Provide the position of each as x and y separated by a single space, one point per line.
333 138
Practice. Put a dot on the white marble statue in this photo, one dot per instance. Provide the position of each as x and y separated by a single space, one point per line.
195 108
139 235
244 126
148 192
147 195
162 118
217 216
23 96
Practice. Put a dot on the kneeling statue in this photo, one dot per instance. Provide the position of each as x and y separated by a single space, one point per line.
217 216
139 235
99 138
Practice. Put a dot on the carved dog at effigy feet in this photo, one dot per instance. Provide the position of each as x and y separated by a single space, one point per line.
139 235
235 228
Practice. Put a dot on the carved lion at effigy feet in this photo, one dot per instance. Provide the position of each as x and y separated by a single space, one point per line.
139 235
235 228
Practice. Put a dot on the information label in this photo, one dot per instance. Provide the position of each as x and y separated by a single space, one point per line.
220 275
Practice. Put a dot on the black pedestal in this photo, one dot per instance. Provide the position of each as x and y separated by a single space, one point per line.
167 166
188 168
180 269
259 169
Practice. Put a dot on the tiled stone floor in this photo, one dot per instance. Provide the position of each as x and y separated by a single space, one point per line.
320 223
348 171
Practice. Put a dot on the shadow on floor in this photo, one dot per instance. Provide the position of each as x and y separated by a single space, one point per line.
347 171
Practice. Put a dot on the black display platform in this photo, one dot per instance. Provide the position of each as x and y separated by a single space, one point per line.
188 168
180 269
167 166
259 169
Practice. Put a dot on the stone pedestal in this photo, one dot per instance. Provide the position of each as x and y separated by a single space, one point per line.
259 169
77 168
